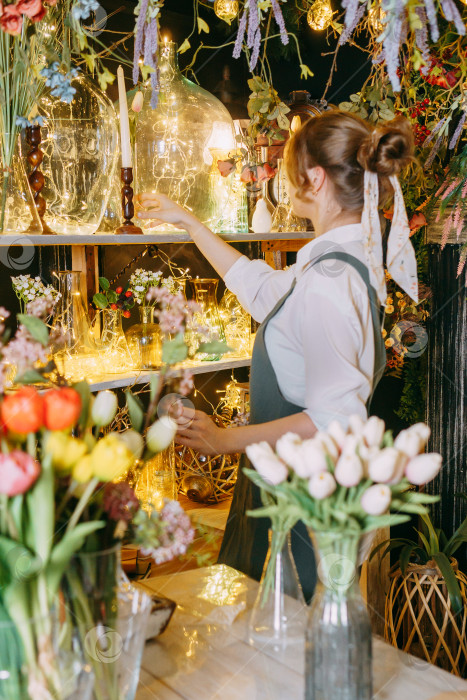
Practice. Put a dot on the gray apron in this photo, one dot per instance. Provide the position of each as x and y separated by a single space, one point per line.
245 542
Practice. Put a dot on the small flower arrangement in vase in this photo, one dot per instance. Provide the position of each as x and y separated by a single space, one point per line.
343 485
61 513
28 289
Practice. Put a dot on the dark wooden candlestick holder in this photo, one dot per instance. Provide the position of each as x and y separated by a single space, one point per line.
128 207
36 177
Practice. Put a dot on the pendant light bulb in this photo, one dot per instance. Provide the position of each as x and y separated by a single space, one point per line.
319 15
226 10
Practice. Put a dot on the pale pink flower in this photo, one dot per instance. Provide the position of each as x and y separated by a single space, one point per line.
267 463
376 499
349 470
423 468
18 472
321 485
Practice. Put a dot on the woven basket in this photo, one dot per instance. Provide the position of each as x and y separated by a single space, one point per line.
419 618
205 479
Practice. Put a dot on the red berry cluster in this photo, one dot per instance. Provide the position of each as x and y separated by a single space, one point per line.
125 301
419 108
420 132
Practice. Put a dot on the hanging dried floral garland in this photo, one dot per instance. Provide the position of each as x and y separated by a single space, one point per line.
147 43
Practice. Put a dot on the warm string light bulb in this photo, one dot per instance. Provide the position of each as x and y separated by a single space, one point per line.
226 10
320 14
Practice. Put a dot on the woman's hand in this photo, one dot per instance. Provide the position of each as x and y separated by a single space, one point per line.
198 431
163 210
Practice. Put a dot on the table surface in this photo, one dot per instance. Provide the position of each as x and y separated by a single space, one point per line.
204 655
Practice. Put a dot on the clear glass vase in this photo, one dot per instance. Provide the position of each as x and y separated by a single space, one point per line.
173 142
156 479
41 658
237 325
278 617
18 213
80 146
204 291
114 353
338 639
283 218
76 358
144 340
111 617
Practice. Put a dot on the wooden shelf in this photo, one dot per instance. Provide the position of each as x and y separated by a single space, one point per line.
128 379
23 239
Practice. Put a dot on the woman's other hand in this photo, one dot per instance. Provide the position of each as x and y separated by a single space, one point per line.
198 431
162 210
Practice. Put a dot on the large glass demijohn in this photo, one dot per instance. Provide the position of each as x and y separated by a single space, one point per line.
80 145
178 144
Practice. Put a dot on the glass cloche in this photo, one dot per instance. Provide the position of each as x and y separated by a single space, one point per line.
178 145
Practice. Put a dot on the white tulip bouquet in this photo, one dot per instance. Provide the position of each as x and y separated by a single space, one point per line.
356 480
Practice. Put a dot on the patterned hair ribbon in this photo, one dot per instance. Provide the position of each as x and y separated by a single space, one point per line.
401 262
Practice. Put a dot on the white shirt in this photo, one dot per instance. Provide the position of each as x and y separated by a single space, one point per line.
320 343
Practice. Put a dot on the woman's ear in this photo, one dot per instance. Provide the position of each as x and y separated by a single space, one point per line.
316 178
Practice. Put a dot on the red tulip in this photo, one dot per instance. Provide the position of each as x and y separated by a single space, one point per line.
23 411
62 408
18 472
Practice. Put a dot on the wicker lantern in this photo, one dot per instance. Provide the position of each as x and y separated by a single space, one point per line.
419 618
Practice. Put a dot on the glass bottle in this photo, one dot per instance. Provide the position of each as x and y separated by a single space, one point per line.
80 146
284 218
18 212
144 340
76 357
278 617
204 291
173 142
338 638
156 480
114 354
237 325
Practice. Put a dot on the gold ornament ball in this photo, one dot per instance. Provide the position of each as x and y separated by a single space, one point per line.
226 10
319 15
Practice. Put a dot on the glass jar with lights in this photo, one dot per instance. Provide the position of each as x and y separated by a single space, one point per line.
176 145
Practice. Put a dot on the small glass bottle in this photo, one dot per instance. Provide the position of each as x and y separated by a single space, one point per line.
284 218
205 295
114 353
76 356
144 340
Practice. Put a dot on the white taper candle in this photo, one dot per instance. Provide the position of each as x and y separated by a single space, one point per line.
124 121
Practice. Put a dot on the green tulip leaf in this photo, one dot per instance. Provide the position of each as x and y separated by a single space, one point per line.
35 327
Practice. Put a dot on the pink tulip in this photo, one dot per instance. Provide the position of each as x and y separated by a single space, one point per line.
11 20
337 432
267 463
387 467
423 468
409 442
376 499
373 431
321 485
18 472
138 101
328 444
349 470
305 457
356 424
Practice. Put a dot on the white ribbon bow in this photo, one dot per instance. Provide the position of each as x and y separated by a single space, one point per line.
400 260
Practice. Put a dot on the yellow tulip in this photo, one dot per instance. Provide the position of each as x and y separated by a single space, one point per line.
82 471
65 450
111 458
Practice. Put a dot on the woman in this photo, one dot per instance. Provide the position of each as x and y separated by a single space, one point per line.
319 350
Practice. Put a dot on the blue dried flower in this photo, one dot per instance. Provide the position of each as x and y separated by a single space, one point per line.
83 8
